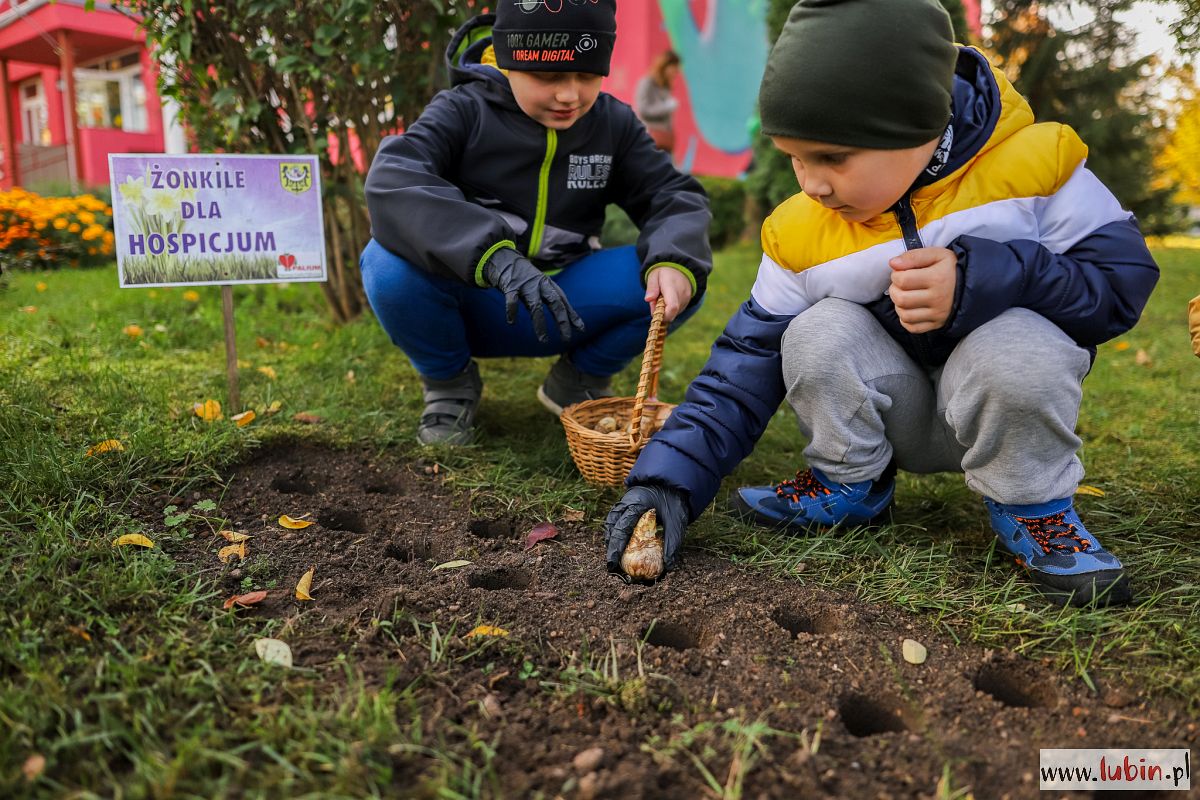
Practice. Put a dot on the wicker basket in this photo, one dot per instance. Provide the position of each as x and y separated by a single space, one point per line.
606 458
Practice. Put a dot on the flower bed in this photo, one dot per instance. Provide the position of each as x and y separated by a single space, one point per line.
48 232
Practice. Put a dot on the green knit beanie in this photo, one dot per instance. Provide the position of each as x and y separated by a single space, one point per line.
861 73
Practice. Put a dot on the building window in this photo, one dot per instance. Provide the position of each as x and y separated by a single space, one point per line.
110 94
35 117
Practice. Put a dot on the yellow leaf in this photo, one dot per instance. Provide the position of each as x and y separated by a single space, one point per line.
274 407
152 294
268 371
294 524
208 411
243 419
1142 359
274 651
192 296
243 364
486 630
132 538
107 446
1122 345
80 632
230 550
304 585
41 286
132 331
1090 490
232 536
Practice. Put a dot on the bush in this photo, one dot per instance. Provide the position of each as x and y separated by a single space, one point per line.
46 232
727 199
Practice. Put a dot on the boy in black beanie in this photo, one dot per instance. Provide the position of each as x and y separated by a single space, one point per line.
486 215
931 301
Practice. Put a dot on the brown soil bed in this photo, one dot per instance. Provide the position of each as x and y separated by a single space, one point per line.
716 642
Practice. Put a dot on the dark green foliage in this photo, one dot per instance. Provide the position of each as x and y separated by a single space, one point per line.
726 197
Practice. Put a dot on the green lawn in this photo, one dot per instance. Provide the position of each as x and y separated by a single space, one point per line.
120 669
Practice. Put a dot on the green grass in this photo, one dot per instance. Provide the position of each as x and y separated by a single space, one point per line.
167 698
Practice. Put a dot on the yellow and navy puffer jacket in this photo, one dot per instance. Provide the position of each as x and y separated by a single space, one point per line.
1031 227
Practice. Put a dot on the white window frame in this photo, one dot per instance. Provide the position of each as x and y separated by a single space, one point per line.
34 105
125 79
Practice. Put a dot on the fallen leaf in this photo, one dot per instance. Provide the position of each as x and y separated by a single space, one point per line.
913 651
29 309
1015 607
274 651
574 515
304 585
274 407
486 630
1091 491
160 327
293 523
261 342
209 410
192 296
107 446
243 364
80 632
307 419
452 565
132 331
246 600
1142 359
350 376
231 536
268 371
33 767
132 538
1122 345
230 550
540 532
245 418
41 286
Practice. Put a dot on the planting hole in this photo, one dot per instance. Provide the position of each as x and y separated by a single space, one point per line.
296 483
491 528
408 551
501 578
865 716
669 634
343 521
798 622
1017 685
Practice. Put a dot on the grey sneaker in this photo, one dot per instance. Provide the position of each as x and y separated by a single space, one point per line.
450 405
566 385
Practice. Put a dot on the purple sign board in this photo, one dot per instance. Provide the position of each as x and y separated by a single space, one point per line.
217 219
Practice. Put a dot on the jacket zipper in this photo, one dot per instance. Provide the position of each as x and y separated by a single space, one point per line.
539 216
912 240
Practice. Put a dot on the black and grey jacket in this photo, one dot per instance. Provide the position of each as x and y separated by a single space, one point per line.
474 174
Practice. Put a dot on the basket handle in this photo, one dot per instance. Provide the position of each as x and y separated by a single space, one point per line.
647 388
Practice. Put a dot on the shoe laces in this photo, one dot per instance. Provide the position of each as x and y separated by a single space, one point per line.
805 483
1050 532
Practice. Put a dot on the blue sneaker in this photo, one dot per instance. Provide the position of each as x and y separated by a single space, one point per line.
1067 562
811 501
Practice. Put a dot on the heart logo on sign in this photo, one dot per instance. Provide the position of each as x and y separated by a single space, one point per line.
287 260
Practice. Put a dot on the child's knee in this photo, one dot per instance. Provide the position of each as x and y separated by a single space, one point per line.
387 277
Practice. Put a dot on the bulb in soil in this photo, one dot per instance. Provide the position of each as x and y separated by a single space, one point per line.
607 425
643 559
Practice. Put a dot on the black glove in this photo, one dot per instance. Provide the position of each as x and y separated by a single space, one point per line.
672 515
521 281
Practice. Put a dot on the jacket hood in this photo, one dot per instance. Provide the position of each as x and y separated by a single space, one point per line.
465 51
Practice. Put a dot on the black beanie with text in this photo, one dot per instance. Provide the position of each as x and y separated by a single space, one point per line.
555 35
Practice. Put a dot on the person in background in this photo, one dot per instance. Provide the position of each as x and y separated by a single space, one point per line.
654 103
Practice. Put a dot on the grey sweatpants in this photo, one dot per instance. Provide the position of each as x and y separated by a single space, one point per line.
1002 409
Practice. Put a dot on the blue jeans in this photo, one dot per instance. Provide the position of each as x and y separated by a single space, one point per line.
441 323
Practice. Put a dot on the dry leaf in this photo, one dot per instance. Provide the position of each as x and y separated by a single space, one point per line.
350 376
574 515
160 327
452 565
209 410
540 532
33 767
80 632
192 296
230 550
274 408
913 651
293 523
41 286
107 446
304 585
1091 491
246 600
486 630
231 536
261 342
1122 345
307 419
245 418
132 538
29 309
132 331
269 372
274 651
1142 359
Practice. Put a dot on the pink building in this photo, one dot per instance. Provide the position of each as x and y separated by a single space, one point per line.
77 85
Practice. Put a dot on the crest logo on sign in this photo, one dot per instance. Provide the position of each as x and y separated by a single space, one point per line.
296 177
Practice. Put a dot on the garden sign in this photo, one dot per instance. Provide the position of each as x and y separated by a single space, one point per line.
191 220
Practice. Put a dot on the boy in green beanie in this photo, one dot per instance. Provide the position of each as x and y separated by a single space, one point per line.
931 301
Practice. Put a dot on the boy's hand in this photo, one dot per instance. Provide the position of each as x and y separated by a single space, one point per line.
675 288
672 515
524 283
922 290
